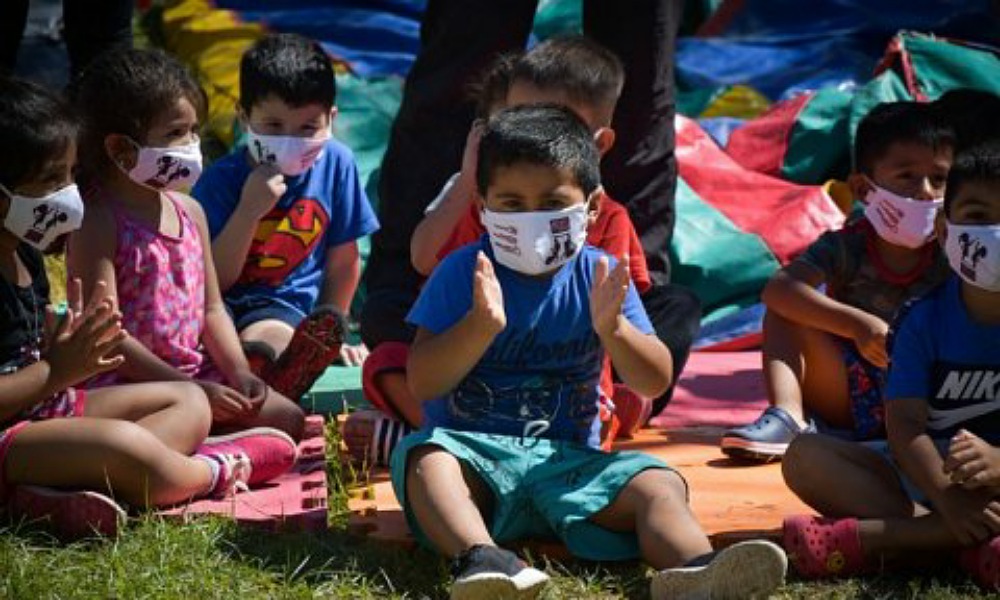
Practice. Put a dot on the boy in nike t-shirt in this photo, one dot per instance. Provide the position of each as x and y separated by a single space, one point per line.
936 485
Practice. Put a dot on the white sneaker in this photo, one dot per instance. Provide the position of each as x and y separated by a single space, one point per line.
753 569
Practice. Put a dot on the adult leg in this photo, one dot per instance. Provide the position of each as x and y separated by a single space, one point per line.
118 457
177 413
654 505
641 170
459 40
676 316
449 501
13 18
93 27
804 369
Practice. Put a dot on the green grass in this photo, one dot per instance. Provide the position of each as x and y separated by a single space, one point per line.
215 558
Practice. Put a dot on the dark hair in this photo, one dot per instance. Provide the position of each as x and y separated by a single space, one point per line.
978 164
974 115
899 122
123 92
492 86
540 134
585 70
36 127
289 66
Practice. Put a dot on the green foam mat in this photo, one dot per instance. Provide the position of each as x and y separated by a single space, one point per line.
338 390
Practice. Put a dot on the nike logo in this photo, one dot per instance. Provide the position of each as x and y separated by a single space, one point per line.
943 419
965 385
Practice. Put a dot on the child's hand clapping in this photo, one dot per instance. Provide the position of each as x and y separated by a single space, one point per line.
262 190
78 347
607 295
972 463
487 297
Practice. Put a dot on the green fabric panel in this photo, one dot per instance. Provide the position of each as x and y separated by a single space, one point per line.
942 66
724 266
818 145
339 387
556 17
693 101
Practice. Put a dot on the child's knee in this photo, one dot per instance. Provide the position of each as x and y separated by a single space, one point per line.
802 460
660 485
286 416
191 399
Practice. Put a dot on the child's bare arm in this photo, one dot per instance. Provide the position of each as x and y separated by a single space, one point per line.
792 293
341 276
437 363
437 225
971 515
642 361
262 190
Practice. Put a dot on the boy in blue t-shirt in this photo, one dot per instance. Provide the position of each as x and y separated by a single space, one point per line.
507 358
939 489
285 212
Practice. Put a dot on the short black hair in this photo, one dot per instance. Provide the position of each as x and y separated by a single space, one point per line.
977 164
585 70
899 122
973 114
36 128
541 134
123 92
289 66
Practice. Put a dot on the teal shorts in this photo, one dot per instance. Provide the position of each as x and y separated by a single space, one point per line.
909 487
542 489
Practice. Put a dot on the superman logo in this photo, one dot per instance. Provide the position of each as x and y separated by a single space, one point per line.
284 238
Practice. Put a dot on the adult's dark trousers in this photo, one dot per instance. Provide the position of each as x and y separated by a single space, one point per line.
675 313
90 28
459 40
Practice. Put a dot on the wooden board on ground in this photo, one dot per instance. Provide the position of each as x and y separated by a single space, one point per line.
295 501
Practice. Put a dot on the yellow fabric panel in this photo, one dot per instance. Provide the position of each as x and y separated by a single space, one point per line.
740 101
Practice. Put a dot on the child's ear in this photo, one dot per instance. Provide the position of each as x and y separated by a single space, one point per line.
604 137
333 114
859 185
594 205
121 151
941 228
242 116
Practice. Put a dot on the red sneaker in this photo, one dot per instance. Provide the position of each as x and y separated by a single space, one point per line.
270 452
72 514
314 346
632 409
821 548
982 563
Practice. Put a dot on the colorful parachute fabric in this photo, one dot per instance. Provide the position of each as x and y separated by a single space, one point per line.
749 197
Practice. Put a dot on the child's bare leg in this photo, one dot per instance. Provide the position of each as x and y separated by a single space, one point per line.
805 366
448 501
654 505
105 455
176 412
865 487
278 412
393 386
276 334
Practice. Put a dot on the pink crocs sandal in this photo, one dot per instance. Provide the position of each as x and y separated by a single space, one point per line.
982 563
821 548
72 514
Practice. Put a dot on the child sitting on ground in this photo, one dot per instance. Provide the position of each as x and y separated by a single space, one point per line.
575 72
506 361
149 242
937 490
129 441
285 212
824 353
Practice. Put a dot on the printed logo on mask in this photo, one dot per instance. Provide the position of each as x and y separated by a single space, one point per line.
46 217
505 238
891 216
168 169
973 251
562 240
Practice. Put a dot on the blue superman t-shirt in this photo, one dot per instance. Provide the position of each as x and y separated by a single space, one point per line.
540 376
941 355
324 207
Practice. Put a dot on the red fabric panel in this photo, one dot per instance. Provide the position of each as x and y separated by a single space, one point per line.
760 145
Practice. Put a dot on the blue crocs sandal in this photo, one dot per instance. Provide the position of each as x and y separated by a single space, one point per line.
764 440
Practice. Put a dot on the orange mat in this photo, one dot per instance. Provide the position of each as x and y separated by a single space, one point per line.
732 501
294 501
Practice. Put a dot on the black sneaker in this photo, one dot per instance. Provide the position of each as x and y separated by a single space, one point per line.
487 572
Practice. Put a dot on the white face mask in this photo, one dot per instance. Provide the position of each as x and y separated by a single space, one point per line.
171 168
537 242
292 155
39 221
974 253
902 221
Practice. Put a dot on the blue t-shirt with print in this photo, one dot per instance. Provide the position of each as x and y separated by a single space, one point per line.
324 207
941 355
540 376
